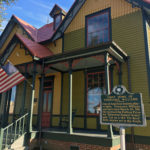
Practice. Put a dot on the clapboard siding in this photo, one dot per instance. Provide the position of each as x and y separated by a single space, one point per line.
127 32
18 56
74 40
118 8
148 35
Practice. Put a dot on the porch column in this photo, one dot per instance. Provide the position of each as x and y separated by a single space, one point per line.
120 73
0 105
70 98
111 77
32 97
4 110
107 83
24 91
40 107
8 106
61 104
0 99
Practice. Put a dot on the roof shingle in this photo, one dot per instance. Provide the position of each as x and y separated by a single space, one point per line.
38 35
36 49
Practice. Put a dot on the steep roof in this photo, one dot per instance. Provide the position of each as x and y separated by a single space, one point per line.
45 32
36 49
147 1
40 34
29 28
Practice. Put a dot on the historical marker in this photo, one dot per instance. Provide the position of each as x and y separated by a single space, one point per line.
122 108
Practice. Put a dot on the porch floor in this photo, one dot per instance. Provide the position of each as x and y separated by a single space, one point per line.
80 133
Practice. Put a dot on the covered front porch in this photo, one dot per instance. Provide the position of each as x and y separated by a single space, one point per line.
85 75
62 92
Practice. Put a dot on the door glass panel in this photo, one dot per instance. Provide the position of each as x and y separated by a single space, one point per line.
44 104
49 101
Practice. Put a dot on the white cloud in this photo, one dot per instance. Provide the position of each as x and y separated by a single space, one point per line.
37 17
17 8
40 4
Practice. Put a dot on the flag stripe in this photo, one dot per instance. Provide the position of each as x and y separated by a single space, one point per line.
10 81
3 78
6 81
2 74
11 85
1 70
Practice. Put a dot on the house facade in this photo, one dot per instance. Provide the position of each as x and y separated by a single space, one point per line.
68 65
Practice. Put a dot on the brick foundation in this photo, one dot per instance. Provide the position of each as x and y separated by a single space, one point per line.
60 145
138 147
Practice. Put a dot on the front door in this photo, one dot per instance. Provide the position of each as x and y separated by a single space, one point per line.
47 103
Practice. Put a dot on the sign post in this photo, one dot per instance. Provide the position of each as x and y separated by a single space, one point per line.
122 109
122 138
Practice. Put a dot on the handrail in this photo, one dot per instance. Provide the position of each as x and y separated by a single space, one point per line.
14 131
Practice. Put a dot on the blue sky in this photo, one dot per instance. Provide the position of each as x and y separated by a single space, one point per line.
13 93
35 12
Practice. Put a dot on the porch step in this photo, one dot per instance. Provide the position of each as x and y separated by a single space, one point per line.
18 148
14 134
10 139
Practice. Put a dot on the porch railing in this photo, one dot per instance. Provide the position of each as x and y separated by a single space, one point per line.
12 132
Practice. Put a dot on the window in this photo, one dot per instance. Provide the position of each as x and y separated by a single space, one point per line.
98 28
12 98
95 88
58 20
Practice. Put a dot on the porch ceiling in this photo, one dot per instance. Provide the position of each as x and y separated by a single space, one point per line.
87 57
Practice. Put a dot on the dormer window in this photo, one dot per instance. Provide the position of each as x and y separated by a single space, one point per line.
57 21
98 28
57 14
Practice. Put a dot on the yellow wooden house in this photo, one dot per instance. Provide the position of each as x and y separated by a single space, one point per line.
68 64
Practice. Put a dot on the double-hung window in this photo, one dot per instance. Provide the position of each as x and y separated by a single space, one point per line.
98 28
58 19
95 88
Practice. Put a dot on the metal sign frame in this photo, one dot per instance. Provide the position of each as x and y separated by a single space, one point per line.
121 91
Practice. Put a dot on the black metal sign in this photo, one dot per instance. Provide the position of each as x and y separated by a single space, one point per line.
122 108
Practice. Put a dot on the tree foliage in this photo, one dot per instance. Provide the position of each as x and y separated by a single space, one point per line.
3 5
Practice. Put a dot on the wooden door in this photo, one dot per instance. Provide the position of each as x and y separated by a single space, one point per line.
46 114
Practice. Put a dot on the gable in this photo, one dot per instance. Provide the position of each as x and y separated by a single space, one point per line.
118 8
18 56
15 29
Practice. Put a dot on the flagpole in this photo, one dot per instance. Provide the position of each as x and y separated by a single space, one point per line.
33 94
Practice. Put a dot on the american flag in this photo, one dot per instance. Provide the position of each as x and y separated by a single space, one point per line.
9 77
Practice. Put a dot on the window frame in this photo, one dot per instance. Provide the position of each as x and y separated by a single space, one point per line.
92 72
107 10
55 20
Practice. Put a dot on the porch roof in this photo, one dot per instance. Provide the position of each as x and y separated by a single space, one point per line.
86 57
111 47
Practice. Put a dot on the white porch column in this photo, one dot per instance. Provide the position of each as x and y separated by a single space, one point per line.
70 98
107 83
